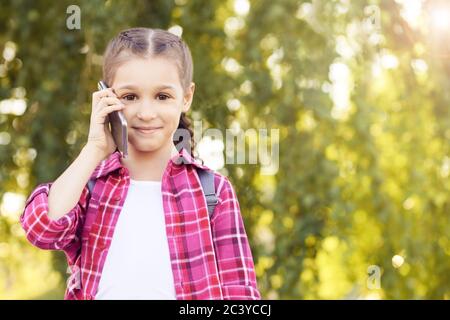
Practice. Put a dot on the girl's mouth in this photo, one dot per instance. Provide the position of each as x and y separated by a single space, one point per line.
149 130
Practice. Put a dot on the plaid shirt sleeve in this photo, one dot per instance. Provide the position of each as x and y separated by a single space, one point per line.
44 232
233 253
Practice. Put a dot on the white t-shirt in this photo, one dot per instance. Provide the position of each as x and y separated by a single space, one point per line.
137 265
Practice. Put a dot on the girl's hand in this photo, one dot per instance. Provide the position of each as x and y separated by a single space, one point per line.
100 137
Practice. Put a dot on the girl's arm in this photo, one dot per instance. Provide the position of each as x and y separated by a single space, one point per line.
66 190
234 257
54 211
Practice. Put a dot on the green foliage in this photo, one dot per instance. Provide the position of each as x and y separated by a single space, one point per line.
355 186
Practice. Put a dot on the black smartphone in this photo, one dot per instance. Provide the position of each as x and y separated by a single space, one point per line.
118 126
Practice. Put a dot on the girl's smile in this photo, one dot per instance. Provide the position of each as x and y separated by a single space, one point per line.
147 131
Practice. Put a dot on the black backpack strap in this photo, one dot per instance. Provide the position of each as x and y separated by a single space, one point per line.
209 190
90 185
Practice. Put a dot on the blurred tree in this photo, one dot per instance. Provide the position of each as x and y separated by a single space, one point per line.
359 95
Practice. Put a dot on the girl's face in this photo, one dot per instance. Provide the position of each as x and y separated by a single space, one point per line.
154 99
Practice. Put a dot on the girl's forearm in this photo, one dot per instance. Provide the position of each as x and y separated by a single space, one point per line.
66 191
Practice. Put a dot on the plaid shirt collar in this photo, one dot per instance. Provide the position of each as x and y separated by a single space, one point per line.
113 162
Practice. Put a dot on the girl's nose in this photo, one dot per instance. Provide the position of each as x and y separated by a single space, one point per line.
147 109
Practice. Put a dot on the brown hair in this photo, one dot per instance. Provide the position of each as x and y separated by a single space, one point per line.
145 43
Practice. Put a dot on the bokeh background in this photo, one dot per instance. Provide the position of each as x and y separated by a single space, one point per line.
359 90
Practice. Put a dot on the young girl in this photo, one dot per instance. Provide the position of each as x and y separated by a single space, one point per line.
145 232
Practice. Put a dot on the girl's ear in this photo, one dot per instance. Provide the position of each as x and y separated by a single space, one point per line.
188 96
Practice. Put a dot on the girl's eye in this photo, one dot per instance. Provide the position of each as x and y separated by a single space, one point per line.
165 97
129 97
132 97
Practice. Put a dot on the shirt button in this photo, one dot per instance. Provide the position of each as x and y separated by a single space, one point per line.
117 198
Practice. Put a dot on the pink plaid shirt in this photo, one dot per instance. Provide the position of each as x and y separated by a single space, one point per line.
209 259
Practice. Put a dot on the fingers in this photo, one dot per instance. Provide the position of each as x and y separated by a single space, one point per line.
101 116
108 101
98 95
108 109
103 93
